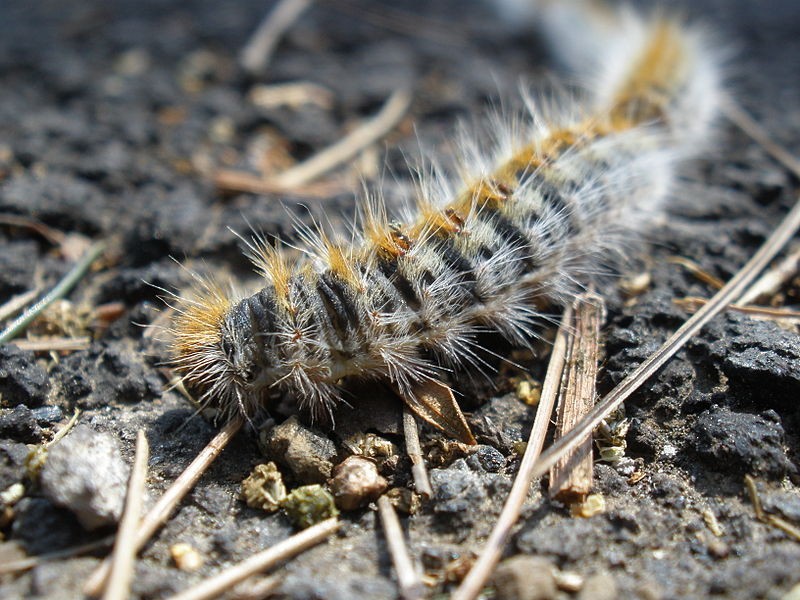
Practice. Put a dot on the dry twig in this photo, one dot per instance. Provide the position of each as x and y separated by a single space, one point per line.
482 569
162 509
346 148
25 564
258 51
225 580
16 303
777 522
770 282
54 344
411 586
422 483
571 477
124 556
231 180
692 303
697 271
746 123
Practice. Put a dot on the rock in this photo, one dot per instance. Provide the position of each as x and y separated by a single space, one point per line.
759 357
487 459
22 380
573 541
306 453
47 415
106 373
524 578
600 586
43 527
20 424
356 483
742 442
12 463
85 473
458 492
502 422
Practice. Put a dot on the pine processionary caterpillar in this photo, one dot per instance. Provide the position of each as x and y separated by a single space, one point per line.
522 226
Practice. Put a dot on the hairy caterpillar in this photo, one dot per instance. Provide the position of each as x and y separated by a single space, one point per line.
526 222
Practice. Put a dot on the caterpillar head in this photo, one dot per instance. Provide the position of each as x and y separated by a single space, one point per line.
216 350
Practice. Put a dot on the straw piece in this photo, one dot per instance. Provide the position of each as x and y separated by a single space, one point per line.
354 142
124 556
226 579
411 586
422 483
483 567
258 51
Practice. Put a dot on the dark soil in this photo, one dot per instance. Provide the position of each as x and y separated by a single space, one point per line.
114 114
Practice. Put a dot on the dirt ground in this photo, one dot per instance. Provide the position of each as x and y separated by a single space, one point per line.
114 116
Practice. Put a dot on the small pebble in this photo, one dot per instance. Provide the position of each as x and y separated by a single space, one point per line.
356 482
306 453
487 459
85 473
186 558
569 581
47 415
600 586
595 504
524 578
404 500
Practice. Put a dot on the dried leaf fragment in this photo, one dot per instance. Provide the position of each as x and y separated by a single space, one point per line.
433 402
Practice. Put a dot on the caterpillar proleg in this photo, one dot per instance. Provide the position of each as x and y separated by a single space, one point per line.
522 226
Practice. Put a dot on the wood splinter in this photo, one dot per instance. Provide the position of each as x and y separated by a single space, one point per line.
571 477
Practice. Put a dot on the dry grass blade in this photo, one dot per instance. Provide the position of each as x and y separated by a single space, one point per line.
346 148
770 282
293 94
162 509
692 303
777 522
58 344
411 586
24 564
225 580
422 483
482 569
231 180
697 271
17 303
732 290
258 51
124 556
59 291
746 123
571 478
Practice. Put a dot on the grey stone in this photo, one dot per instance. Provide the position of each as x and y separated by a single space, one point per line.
85 473
742 441
306 453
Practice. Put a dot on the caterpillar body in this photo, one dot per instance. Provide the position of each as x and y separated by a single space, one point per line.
528 220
